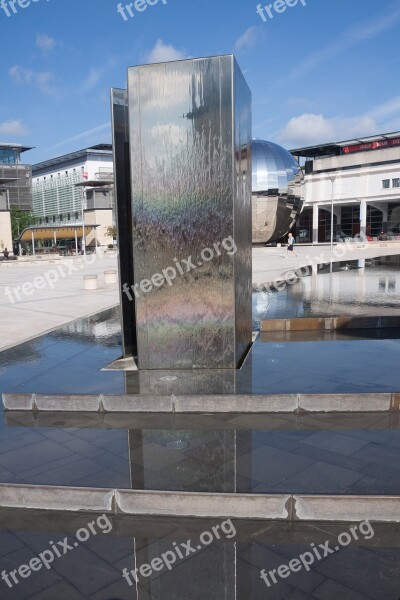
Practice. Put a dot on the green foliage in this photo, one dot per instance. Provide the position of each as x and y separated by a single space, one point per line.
112 232
21 219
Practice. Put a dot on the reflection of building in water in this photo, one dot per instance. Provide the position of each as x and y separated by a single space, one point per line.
277 198
104 327
365 190
356 291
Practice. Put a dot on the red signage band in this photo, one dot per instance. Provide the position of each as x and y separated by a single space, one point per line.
372 145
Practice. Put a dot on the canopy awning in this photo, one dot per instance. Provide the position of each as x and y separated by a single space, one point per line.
62 232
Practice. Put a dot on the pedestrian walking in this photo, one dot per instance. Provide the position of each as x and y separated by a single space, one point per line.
290 246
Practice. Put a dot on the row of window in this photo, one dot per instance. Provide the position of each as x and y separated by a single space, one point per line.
59 174
386 183
60 218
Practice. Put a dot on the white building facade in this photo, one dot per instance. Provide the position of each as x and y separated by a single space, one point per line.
75 188
360 179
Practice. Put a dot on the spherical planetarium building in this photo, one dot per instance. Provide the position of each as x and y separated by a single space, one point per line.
277 191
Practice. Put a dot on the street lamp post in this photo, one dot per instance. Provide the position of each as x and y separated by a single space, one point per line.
19 243
83 222
332 178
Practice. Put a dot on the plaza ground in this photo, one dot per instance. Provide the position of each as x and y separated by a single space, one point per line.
47 309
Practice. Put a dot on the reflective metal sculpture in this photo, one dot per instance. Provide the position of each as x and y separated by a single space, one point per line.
276 199
190 149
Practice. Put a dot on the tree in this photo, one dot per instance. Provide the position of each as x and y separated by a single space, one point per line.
112 231
20 219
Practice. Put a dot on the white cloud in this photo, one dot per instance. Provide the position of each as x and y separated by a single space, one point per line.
164 53
42 80
45 43
248 38
13 128
309 128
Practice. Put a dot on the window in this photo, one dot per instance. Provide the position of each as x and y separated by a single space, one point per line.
386 184
47 219
396 182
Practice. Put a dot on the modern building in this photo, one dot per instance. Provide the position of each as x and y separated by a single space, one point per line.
75 188
360 178
15 189
15 178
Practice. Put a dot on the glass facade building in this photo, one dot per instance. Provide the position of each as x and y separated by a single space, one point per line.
15 178
62 185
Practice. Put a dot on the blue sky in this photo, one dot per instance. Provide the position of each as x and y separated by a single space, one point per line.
327 70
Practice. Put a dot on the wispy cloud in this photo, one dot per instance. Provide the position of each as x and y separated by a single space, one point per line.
162 52
41 80
84 135
350 38
91 80
13 128
96 74
45 43
248 38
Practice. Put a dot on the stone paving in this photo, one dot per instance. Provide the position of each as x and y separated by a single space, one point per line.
228 568
28 312
271 263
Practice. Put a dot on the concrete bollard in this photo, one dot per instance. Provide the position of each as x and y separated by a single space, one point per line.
90 282
110 277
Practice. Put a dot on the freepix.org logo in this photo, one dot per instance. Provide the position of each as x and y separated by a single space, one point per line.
128 11
10 7
278 7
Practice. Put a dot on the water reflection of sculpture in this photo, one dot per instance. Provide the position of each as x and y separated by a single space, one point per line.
276 199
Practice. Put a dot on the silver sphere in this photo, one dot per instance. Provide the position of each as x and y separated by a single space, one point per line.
276 200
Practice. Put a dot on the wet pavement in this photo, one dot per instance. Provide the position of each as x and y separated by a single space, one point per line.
227 568
70 361
339 454
349 290
279 454
235 455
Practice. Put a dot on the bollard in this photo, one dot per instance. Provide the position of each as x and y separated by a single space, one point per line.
110 277
90 282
